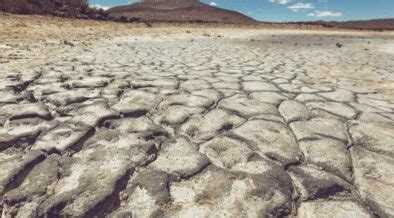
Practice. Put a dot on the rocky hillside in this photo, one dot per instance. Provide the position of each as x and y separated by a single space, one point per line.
178 11
63 8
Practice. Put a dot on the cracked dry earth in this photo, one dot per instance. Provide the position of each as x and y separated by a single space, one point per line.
186 125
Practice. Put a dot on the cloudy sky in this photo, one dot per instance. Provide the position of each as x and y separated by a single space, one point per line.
296 10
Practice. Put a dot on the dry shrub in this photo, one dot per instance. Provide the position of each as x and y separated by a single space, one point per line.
40 6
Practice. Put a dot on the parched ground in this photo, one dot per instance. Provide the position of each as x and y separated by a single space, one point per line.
105 119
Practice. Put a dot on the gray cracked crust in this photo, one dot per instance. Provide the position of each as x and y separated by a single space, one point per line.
206 128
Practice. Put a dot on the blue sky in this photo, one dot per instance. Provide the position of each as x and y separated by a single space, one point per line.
296 10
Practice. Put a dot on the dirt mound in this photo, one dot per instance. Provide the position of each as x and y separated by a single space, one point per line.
178 11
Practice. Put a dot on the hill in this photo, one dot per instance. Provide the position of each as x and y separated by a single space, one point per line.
39 6
178 11
366 24
62 8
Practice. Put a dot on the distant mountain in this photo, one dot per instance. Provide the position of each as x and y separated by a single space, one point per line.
366 24
178 11
377 24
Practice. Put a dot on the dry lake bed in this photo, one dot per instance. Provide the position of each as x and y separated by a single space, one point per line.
104 119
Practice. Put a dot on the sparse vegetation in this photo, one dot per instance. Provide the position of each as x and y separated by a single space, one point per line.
63 8
39 6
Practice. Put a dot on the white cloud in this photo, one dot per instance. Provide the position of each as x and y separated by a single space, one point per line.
100 7
300 5
282 2
213 4
322 14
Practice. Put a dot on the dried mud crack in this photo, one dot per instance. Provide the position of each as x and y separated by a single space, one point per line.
167 122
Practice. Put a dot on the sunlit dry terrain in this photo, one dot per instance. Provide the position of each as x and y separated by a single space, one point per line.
102 118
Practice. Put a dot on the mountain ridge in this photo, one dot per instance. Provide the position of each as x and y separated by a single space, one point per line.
372 24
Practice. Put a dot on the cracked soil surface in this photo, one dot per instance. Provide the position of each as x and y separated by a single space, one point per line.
104 119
